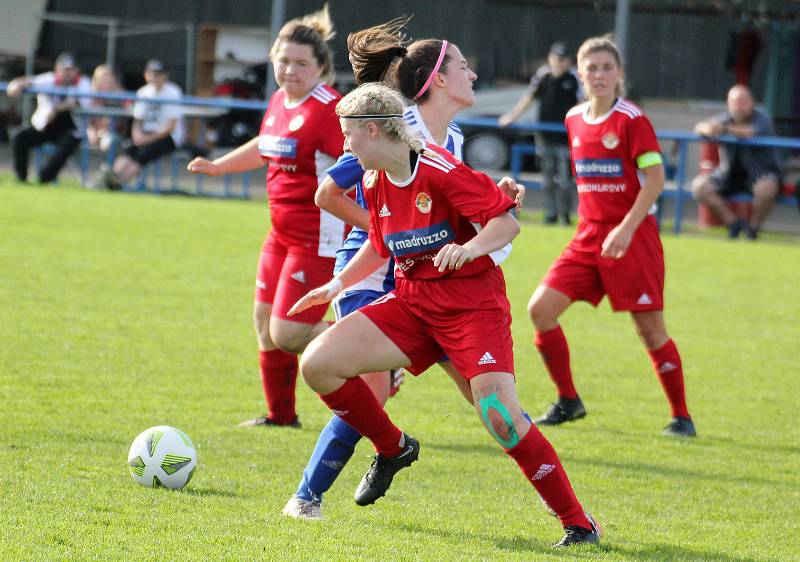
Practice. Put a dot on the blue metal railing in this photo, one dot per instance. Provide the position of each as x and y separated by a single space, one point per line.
154 169
681 138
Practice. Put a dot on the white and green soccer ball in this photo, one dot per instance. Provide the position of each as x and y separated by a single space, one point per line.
162 456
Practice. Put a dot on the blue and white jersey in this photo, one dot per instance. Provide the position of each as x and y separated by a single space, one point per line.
347 172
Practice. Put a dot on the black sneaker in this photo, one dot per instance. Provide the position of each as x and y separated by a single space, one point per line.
266 422
736 228
566 409
551 219
752 232
566 219
573 534
379 476
680 427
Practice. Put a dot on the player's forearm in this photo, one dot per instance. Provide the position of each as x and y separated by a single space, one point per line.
740 130
361 266
498 232
519 108
333 199
17 85
648 195
706 129
242 159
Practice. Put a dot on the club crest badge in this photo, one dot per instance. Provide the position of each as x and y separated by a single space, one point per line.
610 141
296 123
423 203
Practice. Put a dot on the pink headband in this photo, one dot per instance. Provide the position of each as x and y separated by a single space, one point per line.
433 72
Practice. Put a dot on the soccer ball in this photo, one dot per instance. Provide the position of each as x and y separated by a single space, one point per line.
162 456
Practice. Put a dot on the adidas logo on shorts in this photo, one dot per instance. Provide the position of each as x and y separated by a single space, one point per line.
299 276
486 359
543 471
644 299
384 212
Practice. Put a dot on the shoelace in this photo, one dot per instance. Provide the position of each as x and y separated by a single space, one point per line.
370 477
307 509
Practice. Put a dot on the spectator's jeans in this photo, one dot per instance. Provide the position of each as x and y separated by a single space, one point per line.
60 131
557 182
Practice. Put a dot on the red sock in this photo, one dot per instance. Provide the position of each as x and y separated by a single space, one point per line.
669 370
278 378
355 403
553 348
539 463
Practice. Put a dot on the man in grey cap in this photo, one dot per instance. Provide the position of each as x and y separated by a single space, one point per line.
52 121
558 90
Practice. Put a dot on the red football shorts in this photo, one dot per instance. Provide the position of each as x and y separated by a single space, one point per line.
633 283
285 274
466 318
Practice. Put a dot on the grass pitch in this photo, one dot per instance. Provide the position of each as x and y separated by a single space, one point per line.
120 312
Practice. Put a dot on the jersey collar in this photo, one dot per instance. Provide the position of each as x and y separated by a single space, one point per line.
603 117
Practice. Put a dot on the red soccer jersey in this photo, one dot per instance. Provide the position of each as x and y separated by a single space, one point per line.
443 201
604 153
298 142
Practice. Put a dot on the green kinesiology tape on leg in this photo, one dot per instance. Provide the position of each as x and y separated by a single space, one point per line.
493 402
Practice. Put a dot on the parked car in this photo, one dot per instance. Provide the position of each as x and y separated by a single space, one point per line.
490 147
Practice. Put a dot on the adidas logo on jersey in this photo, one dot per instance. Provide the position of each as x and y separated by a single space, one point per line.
666 367
576 142
299 276
543 471
644 299
487 359
384 212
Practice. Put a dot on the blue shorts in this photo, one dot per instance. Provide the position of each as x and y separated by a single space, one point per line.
350 301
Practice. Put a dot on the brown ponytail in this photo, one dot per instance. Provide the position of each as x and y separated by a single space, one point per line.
382 53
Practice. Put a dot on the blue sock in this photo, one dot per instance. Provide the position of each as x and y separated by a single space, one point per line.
334 448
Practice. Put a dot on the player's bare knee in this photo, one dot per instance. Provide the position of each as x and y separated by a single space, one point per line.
540 314
313 369
652 337
290 341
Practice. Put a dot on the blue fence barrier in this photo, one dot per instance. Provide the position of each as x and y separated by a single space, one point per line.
680 178
678 185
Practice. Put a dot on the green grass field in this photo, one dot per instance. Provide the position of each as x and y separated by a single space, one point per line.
120 312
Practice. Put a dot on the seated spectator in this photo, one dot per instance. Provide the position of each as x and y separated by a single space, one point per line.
52 121
157 128
102 130
752 170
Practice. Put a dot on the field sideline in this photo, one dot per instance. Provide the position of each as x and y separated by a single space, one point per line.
120 312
